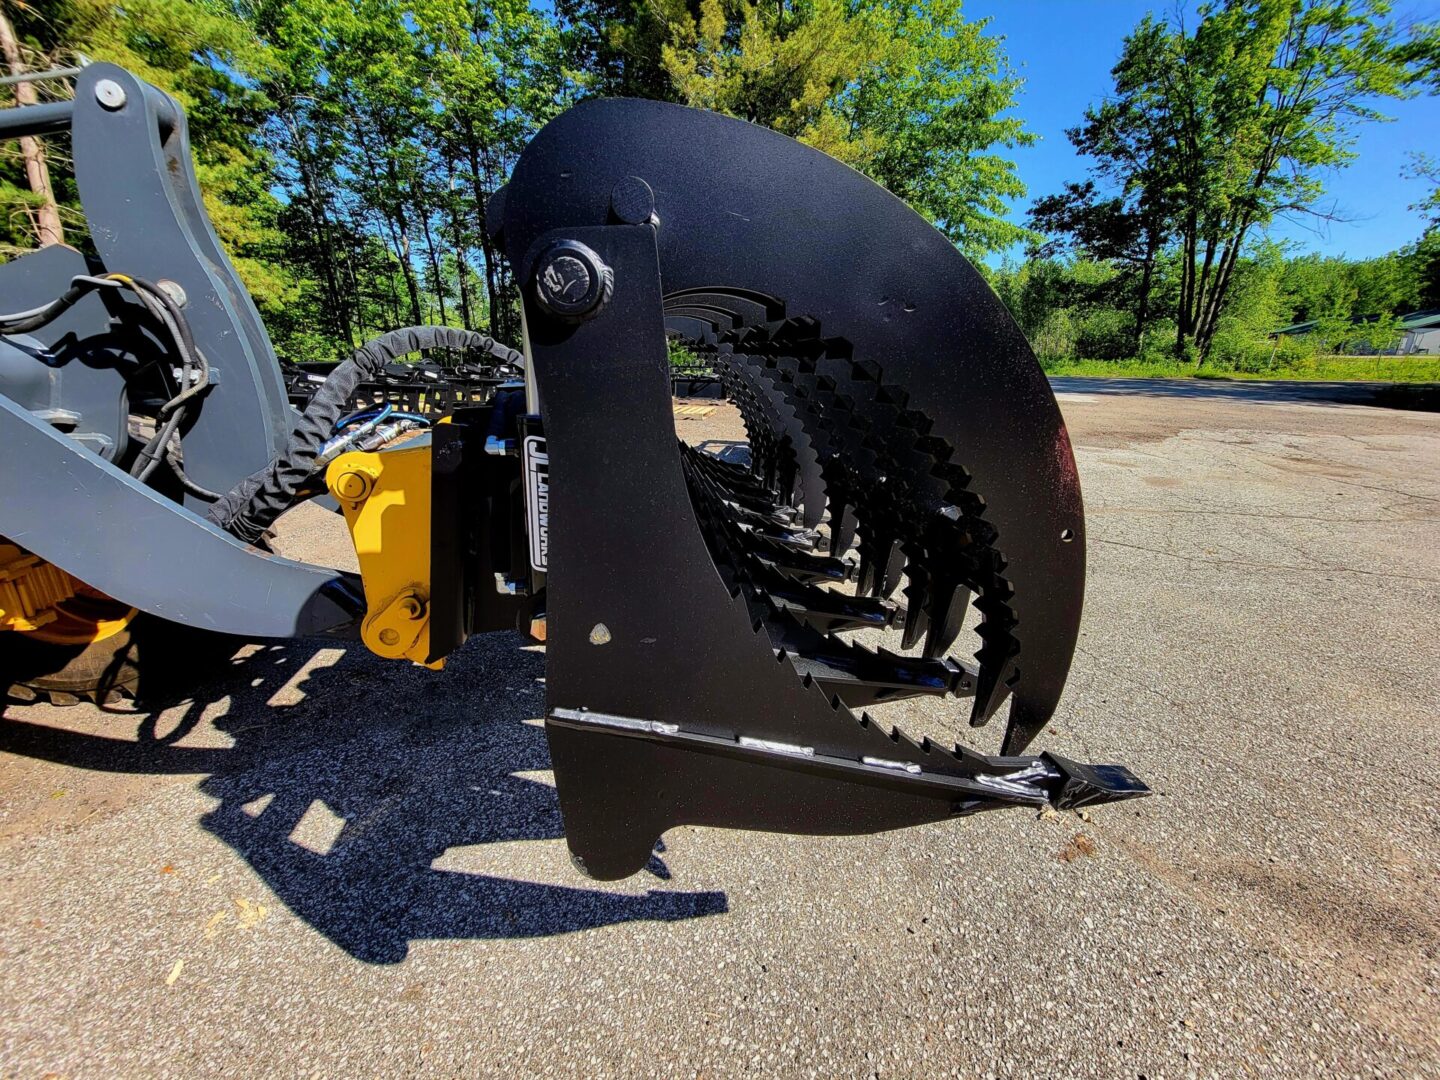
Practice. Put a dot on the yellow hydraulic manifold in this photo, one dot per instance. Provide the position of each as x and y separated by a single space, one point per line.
385 496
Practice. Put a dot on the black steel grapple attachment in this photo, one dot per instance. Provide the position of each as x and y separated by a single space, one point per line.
709 622
725 633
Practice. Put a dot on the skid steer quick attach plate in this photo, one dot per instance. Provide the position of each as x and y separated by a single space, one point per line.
908 464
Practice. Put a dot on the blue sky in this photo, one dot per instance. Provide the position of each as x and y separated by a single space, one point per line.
1065 49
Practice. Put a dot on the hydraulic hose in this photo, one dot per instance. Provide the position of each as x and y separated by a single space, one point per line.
252 506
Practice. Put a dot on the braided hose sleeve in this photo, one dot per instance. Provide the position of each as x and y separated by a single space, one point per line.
252 506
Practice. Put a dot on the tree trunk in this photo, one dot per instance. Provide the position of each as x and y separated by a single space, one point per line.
46 217
492 278
393 214
323 249
1201 297
462 268
1187 285
407 268
424 213
1210 317
502 320
398 230
1142 306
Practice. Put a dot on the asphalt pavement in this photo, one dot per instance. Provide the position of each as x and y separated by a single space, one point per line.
327 864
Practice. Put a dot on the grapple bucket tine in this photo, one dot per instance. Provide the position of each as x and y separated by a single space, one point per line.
917 601
865 569
949 600
894 567
842 527
997 670
806 481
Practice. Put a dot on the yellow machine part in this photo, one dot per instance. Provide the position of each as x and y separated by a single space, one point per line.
40 599
385 497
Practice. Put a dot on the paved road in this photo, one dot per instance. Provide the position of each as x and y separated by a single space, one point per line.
326 864
1243 391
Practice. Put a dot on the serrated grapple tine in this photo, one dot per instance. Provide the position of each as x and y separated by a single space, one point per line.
894 567
997 670
949 600
842 528
917 601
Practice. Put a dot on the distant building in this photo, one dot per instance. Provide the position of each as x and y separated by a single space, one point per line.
1420 334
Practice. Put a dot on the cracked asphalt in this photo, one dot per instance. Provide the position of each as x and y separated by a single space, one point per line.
326 864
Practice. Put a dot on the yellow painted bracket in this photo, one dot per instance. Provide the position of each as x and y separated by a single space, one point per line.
385 496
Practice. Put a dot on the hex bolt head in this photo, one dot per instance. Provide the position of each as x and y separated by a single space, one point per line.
571 281
110 94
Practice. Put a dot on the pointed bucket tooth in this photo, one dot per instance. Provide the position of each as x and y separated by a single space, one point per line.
866 570
894 567
788 481
875 561
916 623
991 689
948 605
842 529
917 598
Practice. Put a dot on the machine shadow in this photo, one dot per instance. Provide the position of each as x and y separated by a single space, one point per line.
350 776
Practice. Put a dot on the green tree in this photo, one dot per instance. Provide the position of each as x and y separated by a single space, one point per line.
1127 232
909 93
618 44
1232 123
200 55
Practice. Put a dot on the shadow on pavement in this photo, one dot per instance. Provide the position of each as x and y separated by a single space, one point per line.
407 764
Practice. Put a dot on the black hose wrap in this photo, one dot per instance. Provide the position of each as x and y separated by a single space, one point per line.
252 506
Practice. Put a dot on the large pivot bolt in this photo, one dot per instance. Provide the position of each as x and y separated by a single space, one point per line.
571 282
110 94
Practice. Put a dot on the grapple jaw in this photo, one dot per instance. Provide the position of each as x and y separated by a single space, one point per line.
908 464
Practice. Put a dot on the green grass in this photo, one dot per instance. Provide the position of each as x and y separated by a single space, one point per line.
1119 369
1393 369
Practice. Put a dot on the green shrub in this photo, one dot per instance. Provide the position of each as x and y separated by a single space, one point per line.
1239 348
1054 339
681 356
1158 347
1106 334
